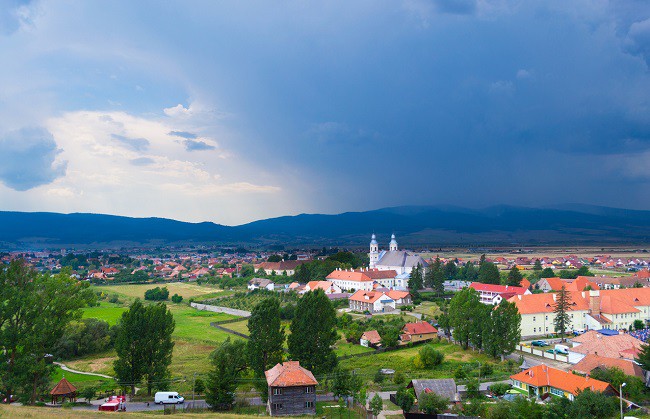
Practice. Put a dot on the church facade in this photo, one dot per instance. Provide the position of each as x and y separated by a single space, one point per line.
394 259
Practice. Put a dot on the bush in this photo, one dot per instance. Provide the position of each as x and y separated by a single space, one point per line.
83 337
379 377
486 369
177 298
638 324
430 357
157 294
460 373
473 388
114 299
432 403
399 378
499 389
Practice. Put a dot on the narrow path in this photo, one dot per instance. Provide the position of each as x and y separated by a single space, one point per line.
65 368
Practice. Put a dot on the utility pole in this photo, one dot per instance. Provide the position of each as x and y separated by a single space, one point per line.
193 384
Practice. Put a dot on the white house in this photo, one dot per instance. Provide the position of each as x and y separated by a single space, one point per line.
257 283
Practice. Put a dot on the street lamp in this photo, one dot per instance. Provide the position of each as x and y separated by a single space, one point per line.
620 397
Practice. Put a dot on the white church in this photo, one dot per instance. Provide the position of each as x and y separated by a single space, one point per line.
400 261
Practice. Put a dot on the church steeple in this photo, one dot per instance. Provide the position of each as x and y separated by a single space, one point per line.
393 244
374 251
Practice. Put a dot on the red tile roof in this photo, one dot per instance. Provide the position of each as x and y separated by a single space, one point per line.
371 336
593 361
419 328
62 388
499 289
289 374
361 295
349 276
542 375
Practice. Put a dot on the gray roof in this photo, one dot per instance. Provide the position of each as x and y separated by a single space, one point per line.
445 387
260 282
401 258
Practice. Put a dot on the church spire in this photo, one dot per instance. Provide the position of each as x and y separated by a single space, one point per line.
374 251
393 244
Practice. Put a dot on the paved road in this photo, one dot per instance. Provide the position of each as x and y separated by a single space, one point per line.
64 368
139 406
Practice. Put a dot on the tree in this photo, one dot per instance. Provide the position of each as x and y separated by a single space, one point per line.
473 387
451 270
415 279
638 324
35 311
502 330
313 332
644 357
435 277
463 310
405 398
228 361
264 347
430 357
199 386
592 404
432 403
156 294
584 271
488 273
547 273
477 325
343 384
144 346
537 267
177 298
376 405
515 277
468 272
634 387
274 258
562 321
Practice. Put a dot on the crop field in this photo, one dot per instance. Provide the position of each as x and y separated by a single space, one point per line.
108 312
184 289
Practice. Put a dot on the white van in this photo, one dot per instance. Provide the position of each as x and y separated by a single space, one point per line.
168 397
562 349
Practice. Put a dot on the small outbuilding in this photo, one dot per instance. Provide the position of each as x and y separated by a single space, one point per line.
63 390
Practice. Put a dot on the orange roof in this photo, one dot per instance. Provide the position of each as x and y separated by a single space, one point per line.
555 283
366 296
397 295
545 303
524 283
377 274
593 361
319 285
499 289
542 375
580 283
371 336
63 387
289 374
617 346
419 328
349 276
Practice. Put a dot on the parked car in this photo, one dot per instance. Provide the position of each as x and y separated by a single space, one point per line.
539 343
562 349
168 397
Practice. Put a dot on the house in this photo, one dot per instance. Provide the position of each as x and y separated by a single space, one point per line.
283 267
370 338
401 298
393 259
541 379
445 387
418 332
367 279
494 294
291 390
371 301
619 346
263 283
607 283
550 284
327 287
593 361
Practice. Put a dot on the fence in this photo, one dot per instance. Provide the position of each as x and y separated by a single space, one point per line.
218 309
225 329
542 353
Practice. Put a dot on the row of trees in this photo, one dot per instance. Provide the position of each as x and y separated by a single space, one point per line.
496 330
313 332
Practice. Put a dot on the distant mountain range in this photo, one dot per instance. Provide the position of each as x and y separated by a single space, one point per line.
421 226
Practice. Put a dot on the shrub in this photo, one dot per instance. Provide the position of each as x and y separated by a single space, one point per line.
379 377
432 403
177 298
399 378
430 357
460 373
114 299
157 294
473 388
499 389
486 369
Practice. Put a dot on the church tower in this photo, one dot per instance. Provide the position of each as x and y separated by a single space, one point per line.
393 244
374 252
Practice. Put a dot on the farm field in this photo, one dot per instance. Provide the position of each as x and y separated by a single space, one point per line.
108 312
184 289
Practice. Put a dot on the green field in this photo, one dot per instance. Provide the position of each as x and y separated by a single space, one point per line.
105 311
81 380
184 289
343 348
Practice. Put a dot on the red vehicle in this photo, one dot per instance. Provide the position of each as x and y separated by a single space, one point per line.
113 404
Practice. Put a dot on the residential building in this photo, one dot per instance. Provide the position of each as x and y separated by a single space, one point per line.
263 283
618 346
367 279
393 259
370 338
327 286
541 379
550 284
494 294
280 268
445 387
418 332
291 390
371 302
592 362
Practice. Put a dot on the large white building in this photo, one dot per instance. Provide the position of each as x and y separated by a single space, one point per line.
393 259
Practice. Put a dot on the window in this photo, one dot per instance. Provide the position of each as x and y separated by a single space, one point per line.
277 391
546 317
533 318
534 329
557 392
309 389
309 404
277 406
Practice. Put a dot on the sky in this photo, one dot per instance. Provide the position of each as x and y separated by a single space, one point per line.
236 111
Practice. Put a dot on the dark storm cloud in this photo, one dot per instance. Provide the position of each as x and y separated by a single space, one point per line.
27 159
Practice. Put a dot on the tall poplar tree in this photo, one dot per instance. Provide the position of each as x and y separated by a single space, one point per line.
464 313
502 330
416 279
228 362
264 348
488 273
313 332
515 277
562 319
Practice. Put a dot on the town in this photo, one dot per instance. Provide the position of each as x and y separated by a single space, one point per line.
399 331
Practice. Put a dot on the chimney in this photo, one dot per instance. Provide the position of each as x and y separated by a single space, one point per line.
594 303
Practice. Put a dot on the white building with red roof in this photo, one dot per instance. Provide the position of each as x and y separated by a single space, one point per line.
494 294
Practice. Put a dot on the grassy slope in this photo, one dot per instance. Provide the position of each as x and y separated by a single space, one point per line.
186 290
20 412
105 311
